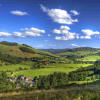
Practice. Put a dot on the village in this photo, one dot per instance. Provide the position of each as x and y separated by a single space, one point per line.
22 81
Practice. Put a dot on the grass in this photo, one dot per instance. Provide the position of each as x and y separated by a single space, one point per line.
16 70
90 58
49 69
85 82
13 67
15 51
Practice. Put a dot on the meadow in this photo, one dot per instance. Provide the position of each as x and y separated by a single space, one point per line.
16 70
90 58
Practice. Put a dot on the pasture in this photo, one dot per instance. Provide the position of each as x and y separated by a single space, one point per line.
90 58
44 70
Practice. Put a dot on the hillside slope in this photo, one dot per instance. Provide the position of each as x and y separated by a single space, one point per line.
21 50
13 51
80 54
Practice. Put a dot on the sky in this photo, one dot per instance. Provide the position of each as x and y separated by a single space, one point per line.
51 24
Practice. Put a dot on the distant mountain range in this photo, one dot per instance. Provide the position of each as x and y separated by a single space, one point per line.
56 51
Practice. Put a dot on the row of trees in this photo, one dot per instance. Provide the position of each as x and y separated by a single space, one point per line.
53 80
82 73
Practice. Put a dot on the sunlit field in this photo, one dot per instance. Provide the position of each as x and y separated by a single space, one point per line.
47 69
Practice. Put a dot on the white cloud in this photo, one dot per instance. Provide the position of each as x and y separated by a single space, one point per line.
85 37
19 13
18 34
66 37
90 32
64 30
75 45
74 12
56 31
29 32
59 15
33 32
5 34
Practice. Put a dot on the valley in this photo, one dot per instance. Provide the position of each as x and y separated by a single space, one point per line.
23 68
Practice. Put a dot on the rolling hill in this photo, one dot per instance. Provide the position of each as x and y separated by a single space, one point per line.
14 52
21 50
79 54
17 51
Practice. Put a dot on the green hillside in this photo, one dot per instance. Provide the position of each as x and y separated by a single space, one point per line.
57 51
22 52
78 54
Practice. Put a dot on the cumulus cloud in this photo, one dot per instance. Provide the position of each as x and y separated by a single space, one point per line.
19 13
29 32
74 12
64 30
88 33
18 34
5 34
24 32
59 15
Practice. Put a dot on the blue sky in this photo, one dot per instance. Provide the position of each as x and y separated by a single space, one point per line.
51 23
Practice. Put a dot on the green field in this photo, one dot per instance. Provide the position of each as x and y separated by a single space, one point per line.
13 67
90 58
48 69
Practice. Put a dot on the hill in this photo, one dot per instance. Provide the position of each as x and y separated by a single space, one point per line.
56 51
79 54
21 52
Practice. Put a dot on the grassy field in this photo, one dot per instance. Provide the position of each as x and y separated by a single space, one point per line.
90 58
13 67
48 69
